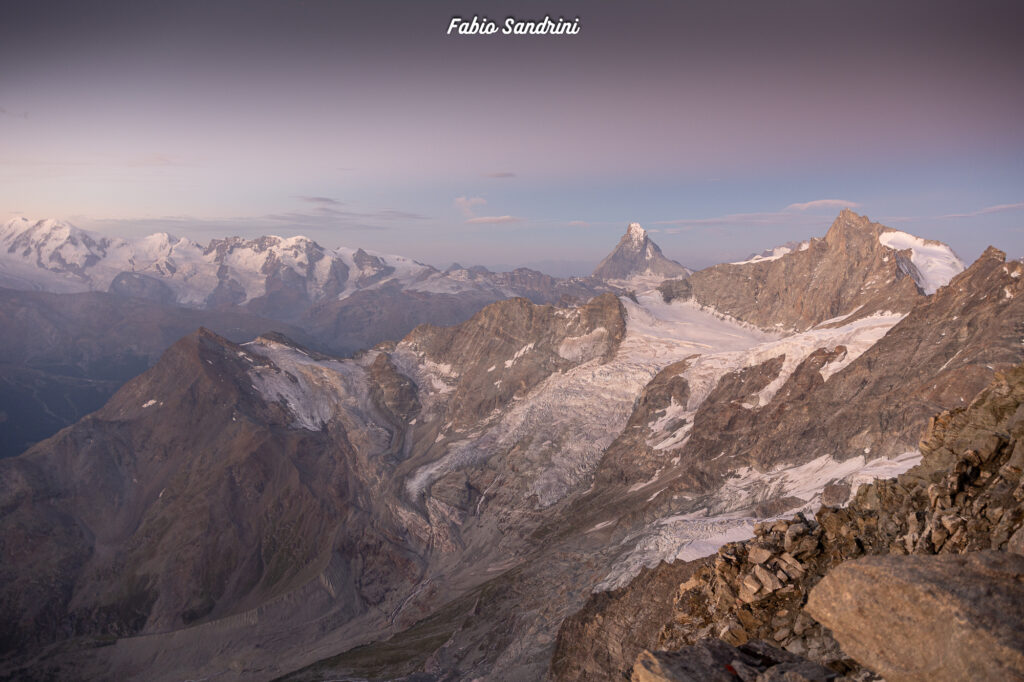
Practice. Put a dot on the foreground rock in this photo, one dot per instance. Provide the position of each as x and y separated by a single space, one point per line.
900 615
713 660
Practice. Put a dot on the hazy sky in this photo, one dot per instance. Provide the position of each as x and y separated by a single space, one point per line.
725 127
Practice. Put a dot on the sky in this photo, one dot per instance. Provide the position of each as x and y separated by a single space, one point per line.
724 127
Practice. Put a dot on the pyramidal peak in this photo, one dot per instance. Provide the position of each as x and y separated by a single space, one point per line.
636 255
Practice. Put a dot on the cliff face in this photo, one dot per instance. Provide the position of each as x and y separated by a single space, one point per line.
966 496
850 271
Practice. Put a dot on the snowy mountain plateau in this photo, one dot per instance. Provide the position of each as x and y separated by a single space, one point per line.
438 505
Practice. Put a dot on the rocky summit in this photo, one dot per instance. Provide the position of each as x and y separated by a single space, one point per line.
636 255
546 484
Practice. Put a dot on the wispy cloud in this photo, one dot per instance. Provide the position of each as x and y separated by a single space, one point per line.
500 174
322 218
998 208
578 223
467 204
468 207
494 220
822 203
320 200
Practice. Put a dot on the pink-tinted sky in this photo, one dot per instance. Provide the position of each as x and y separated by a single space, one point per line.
727 127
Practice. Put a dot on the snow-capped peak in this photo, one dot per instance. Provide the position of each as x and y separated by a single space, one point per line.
22 225
935 263
636 255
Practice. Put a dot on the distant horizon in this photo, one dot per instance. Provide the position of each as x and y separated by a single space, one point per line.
724 130
564 268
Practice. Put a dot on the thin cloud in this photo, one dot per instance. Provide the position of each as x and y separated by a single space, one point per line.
579 223
500 174
998 208
822 203
466 204
392 214
494 220
320 200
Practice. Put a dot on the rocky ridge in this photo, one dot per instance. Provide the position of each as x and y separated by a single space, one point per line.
853 272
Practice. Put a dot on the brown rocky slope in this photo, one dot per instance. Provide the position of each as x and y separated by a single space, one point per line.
847 270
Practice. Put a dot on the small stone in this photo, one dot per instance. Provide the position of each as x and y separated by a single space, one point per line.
758 555
951 522
993 514
796 647
792 533
1016 542
768 580
802 623
781 634
746 618
751 583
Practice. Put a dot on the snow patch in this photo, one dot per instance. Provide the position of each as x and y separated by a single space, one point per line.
519 353
586 347
690 536
148 403
775 254
935 262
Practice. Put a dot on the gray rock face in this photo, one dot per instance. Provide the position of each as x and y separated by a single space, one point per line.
635 255
928 618
136 285
63 356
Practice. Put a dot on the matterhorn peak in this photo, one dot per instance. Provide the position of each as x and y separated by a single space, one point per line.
637 256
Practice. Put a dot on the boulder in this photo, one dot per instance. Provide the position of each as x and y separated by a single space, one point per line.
928 618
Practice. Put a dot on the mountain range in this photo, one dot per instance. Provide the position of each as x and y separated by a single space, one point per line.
433 504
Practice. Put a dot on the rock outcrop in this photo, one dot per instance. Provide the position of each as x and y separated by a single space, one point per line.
849 272
920 618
